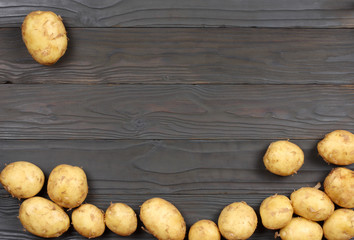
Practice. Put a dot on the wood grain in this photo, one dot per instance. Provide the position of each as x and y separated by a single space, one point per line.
184 13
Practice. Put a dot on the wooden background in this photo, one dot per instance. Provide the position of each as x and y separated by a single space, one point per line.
176 99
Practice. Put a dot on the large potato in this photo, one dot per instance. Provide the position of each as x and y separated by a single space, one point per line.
300 229
22 179
204 230
43 218
162 219
312 204
337 147
237 221
121 219
276 211
340 225
44 34
88 220
67 186
283 158
339 186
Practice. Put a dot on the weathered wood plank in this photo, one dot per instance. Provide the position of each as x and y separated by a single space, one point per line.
184 13
187 56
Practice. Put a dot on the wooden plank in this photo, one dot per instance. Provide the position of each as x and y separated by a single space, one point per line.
188 56
184 13
174 112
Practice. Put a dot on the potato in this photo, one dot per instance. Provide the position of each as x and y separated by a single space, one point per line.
162 219
43 218
204 230
88 220
276 211
339 186
22 179
67 186
340 225
312 204
337 147
283 158
121 219
300 228
44 34
237 221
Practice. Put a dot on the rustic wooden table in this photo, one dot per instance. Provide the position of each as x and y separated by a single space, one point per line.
176 99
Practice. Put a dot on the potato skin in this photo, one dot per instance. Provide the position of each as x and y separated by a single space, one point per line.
237 221
204 230
339 186
22 179
283 158
121 219
276 211
340 225
162 219
88 220
43 218
312 204
337 147
300 228
44 35
67 186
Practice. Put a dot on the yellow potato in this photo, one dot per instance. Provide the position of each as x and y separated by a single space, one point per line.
44 34
312 204
337 147
67 186
339 186
88 220
204 230
22 179
340 225
283 158
43 218
121 219
276 211
162 219
300 229
237 221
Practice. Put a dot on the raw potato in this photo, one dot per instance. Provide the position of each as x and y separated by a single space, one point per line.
300 229
204 230
67 186
276 211
22 179
43 218
121 219
162 219
44 34
337 147
340 225
283 158
312 204
88 220
237 221
339 186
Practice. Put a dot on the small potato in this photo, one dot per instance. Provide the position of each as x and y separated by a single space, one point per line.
340 225
67 186
312 204
237 221
88 220
300 229
44 34
276 211
283 158
22 179
162 219
337 147
43 218
339 186
204 230
121 219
